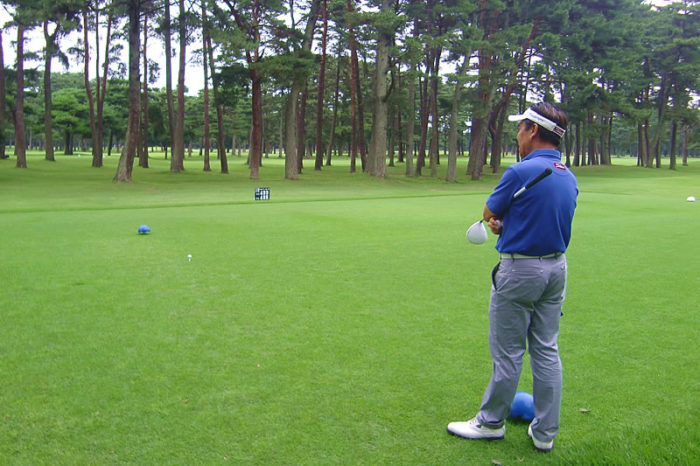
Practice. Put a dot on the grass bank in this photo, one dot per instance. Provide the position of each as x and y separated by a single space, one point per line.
342 322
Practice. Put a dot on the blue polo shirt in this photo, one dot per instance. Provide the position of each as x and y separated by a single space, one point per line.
538 222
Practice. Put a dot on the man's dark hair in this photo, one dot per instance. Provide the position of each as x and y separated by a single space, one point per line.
550 112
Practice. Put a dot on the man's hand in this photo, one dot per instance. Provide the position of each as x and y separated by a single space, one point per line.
496 225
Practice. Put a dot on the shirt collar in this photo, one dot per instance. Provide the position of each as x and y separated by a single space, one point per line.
543 153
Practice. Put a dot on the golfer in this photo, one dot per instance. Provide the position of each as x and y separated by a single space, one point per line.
529 282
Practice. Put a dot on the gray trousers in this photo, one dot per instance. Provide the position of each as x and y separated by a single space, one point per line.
525 308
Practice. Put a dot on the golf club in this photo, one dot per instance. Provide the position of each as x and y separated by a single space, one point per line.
547 171
476 233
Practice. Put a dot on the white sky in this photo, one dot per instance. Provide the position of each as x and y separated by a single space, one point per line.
34 42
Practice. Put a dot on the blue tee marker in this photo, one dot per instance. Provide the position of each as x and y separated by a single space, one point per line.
144 230
523 407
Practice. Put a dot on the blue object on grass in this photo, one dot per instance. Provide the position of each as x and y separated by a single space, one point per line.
523 407
144 229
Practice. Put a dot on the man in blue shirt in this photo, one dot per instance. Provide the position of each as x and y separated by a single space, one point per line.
529 283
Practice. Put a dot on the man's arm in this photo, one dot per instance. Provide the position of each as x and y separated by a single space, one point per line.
494 222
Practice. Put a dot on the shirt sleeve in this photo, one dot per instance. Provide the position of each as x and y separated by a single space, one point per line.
500 199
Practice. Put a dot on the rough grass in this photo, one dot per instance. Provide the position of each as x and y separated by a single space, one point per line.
342 322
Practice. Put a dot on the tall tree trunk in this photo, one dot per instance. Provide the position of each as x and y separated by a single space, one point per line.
177 161
496 131
454 122
293 142
640 146
20 132
433 154
647 152
98 140
411 113
480 113
280 146
424 117
301 129
256 135
376 160
577 153
485 90
50 41
672 154
453 135
498 112
605 140
353 119
393 123
205 57
567 137
435 118
398 129
608 138
686 127
221 136
334 121
68 143
660 120
169 75
88 87
354 90
3 101
479 132
321 88
410 121
252 31
126 161
291 165
48 55
592 146
361 143
143 153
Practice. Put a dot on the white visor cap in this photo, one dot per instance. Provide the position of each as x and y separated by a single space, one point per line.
535 117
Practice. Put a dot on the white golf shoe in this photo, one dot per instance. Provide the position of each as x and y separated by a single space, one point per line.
542 446
474 430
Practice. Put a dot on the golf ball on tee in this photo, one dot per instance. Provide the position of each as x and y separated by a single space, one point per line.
692 199
189 257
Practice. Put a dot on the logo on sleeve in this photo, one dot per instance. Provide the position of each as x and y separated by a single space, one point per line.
559 166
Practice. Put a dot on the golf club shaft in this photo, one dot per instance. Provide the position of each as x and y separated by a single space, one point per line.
547 171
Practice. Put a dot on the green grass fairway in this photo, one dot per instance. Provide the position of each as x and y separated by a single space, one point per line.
344 321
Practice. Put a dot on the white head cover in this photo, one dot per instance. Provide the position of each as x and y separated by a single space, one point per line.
477 233
535 117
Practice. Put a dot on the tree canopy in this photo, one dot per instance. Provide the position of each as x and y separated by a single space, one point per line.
368 78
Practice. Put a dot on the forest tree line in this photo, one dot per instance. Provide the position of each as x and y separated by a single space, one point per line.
374 79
